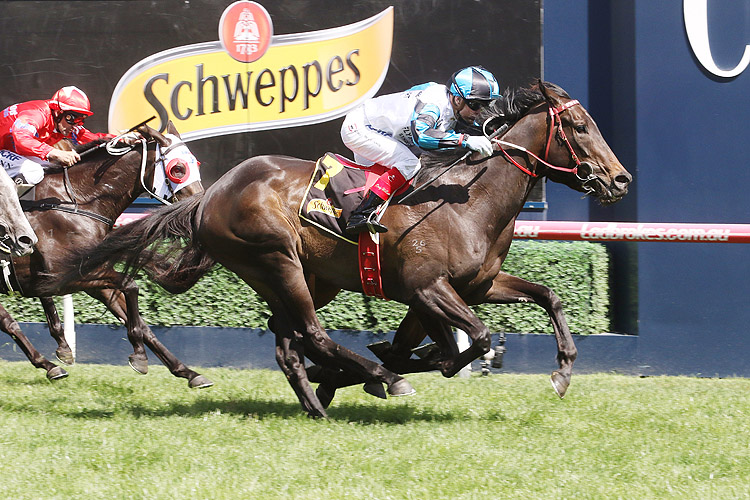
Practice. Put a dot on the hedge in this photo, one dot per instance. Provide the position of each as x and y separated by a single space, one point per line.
577 271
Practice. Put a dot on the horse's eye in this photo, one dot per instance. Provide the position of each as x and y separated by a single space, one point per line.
581 129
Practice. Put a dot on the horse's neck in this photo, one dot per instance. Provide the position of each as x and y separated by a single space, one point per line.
109 189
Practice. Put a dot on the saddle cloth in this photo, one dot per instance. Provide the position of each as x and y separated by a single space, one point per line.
336 188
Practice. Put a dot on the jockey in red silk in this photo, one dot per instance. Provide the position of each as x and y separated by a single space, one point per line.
393 130
28 131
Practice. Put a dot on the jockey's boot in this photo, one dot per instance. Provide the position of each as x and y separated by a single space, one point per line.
359 219
386 184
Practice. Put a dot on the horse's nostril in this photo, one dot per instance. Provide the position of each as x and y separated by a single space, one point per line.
26 241
622 180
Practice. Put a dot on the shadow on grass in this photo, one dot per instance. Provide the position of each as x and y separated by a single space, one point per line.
263 409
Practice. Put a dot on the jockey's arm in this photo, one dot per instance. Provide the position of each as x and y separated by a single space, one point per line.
83 135
427 136
25 142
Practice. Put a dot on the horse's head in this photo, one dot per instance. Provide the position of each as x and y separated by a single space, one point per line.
176 172
574 141
16 235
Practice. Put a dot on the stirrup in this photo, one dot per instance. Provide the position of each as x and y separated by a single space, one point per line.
374 225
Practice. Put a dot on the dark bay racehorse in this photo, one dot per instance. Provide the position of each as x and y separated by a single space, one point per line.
443 252
76 207
16 235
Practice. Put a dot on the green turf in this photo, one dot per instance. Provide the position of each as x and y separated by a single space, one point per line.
108 433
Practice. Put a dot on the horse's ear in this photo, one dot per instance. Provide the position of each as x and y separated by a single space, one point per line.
548 96
172 130
154 134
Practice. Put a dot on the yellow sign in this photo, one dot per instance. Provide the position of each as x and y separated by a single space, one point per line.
302 79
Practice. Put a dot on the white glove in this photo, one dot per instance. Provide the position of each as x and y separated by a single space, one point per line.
480 144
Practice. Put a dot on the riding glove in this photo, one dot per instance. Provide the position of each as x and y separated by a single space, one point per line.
480 144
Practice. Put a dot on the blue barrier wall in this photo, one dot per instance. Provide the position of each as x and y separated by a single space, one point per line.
682 132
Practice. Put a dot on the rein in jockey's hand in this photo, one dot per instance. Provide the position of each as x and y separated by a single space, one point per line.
66 158
130 138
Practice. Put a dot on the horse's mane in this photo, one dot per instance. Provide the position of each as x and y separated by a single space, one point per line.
508 109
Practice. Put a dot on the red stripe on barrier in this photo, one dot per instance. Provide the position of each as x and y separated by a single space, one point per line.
606 231
128 218
632 231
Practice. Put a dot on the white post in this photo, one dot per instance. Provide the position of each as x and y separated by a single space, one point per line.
69 327
462 340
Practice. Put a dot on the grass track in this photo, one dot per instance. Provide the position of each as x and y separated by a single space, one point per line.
106 432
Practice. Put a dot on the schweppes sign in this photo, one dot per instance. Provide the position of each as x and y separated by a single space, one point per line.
253 80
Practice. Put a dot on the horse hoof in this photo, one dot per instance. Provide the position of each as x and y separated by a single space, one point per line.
199 382
315 374
375 389
325 395
138 364
56 373
426 351
380 349
559 384
401 387
65 356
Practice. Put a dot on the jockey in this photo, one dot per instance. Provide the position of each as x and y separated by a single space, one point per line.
29 130
393 130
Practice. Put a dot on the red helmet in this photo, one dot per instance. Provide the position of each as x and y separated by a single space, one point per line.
71 99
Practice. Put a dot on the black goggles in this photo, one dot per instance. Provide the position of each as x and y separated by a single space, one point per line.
475 105
73 119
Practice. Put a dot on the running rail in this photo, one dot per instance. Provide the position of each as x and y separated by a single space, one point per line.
607 231
632 231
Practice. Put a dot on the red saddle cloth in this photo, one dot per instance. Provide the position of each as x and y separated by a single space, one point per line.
336 188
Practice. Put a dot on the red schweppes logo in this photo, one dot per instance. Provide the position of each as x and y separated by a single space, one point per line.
251 79
245 31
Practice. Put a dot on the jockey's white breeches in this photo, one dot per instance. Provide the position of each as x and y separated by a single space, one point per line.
30 168
371 145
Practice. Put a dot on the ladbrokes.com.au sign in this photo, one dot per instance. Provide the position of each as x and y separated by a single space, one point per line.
253 80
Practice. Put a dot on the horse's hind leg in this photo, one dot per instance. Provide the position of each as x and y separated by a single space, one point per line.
63 352
10 326
508 289
115 302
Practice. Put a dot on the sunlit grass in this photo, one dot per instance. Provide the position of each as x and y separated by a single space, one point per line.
106 432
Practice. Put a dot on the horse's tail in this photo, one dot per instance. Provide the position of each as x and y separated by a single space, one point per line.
161 244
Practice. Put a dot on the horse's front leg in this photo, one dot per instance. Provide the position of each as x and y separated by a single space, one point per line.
10 326
397 356
441 309
123 304
508 289
63 352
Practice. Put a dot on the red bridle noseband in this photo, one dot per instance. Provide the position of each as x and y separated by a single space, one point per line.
555 124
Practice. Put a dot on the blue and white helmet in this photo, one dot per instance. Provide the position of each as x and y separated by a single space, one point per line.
474 83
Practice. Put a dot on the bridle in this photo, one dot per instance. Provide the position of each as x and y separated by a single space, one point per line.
113 150
555 126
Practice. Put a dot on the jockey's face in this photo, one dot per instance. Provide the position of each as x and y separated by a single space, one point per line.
466 111
67 120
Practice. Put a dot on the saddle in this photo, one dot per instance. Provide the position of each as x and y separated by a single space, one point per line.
336 188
